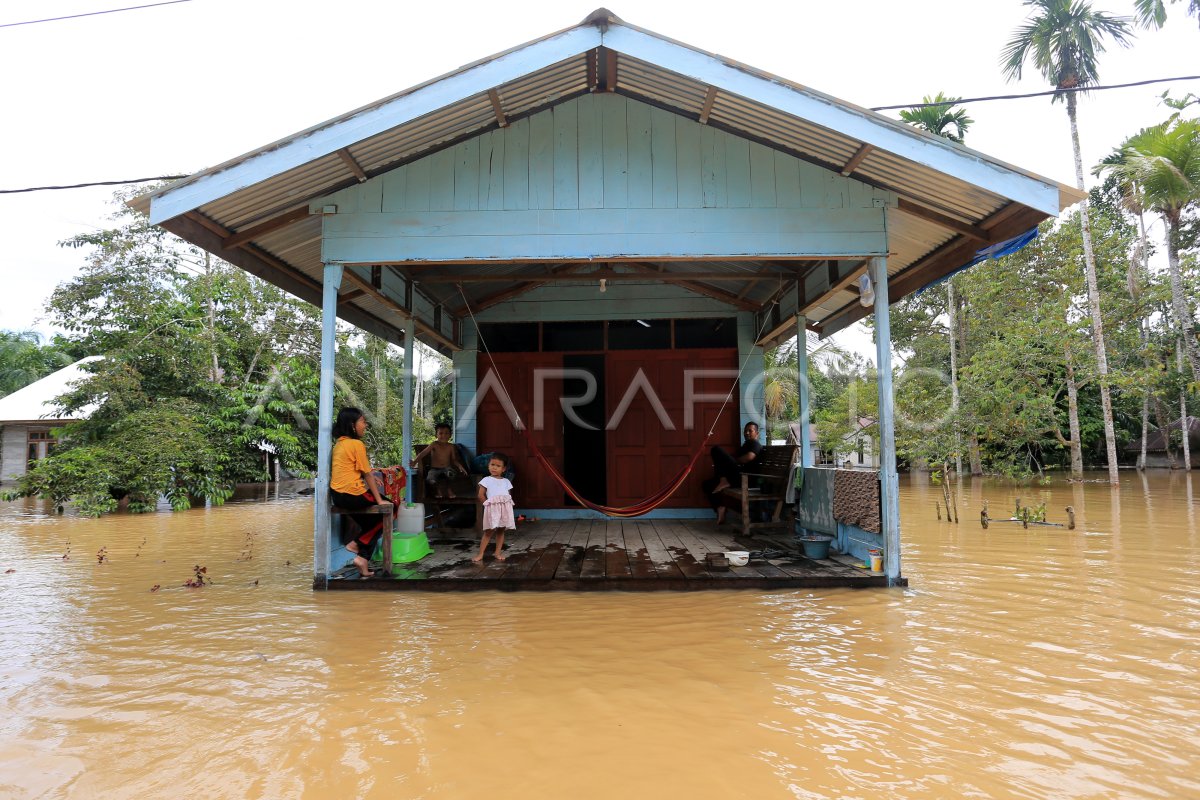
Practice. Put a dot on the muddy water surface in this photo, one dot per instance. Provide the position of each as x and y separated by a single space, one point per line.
1039 663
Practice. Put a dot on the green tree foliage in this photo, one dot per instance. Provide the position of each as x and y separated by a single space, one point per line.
938 116
24 358
204 366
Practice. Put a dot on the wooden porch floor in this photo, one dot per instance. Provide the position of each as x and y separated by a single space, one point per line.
631 555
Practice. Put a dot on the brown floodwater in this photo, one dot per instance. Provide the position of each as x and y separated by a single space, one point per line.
1019 664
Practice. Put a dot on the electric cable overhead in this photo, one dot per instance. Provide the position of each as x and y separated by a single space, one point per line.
961 101
1035 94
91 13
95 183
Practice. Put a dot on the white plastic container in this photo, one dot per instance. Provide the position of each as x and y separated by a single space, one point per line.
410 518
738 558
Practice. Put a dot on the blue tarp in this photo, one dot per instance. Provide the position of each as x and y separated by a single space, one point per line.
998 250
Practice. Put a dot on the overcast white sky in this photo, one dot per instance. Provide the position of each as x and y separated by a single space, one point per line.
174 89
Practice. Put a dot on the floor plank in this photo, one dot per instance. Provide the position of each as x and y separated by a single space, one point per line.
640 565
529 543
663 559
688 564
616 555
595 558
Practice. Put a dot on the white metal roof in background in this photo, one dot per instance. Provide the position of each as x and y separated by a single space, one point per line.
35 402
954 200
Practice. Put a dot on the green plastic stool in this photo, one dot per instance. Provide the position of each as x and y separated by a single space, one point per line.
407 548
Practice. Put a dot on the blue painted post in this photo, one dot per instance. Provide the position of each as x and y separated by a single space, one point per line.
409 328
806 459
889 480
331 284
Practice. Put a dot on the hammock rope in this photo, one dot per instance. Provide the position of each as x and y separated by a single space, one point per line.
648 504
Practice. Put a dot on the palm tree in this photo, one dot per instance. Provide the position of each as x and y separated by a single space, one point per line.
1153 13
1062 39
1134 201
24 359
1165 162
937 115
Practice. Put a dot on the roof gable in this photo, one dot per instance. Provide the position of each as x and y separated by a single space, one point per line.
565 63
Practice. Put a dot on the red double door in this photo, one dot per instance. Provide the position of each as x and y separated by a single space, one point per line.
649 435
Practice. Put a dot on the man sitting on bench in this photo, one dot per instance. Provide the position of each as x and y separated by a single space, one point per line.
444 462
728 467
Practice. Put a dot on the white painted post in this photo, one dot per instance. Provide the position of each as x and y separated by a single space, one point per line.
806 459
889 480
332 283
409 328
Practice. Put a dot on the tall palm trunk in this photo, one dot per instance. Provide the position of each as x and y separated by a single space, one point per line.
1179 303
952 310
1073 418
1135 280
1089 260
1183 415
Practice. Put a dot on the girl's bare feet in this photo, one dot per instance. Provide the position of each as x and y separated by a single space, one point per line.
722 486
363 567
477 558
500 557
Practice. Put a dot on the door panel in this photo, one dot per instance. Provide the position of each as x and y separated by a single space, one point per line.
643 454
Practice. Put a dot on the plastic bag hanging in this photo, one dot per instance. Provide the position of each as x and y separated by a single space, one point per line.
866 290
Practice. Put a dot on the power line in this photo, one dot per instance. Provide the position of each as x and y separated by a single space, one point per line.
1036 94
876 108
91 13
96 183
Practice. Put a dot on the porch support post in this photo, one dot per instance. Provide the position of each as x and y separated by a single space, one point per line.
806 459
409 328
889 481
331 284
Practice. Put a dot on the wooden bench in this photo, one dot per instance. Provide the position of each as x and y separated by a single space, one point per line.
771 470
385 510
465 488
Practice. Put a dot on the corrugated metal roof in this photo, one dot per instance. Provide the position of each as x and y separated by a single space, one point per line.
221 199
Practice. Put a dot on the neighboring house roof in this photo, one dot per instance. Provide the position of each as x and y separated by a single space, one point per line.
254 210
35 402
794 430
1156 440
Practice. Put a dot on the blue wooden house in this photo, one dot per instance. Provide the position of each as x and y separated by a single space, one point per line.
608 202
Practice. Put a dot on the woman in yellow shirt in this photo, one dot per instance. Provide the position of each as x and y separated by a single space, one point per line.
353 486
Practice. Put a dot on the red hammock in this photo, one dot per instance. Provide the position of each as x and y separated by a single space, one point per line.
638 509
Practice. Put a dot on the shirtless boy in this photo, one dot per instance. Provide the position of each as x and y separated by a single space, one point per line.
444 462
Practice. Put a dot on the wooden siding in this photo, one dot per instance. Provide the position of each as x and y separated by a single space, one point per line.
561 184
13 441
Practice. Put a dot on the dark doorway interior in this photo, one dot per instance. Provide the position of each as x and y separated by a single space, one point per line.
585 456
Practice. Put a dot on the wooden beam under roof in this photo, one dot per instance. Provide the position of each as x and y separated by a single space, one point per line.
497 108
487 301
244 236
841 282
352 163
710 97
198 229
943 261
608 274
378 294
700 288
856 159
975 232
592 71
610 70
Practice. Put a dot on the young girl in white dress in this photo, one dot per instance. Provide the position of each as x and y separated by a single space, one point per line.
497 506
